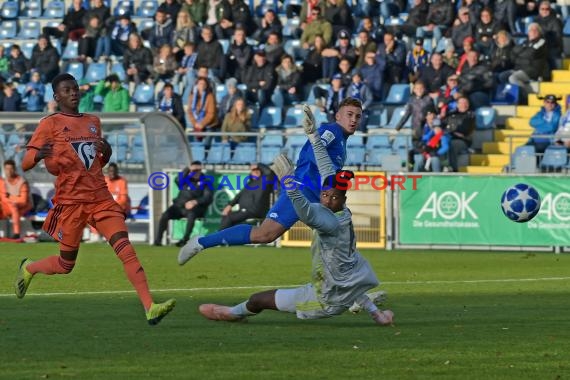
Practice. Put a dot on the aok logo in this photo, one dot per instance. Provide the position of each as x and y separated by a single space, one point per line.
556 206
449 205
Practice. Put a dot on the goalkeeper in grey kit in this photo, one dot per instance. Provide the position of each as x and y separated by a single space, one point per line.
340 275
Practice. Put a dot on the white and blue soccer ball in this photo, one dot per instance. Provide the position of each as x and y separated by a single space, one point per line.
520 203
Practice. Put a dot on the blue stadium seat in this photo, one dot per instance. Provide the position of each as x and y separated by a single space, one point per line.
290 27
31 30
521 25
396 116
198 150
506 94
294 145
48 94
245 153
137 150
144 94
377 118
55 9
8 29
378 141
123 8
96 72
399 94
566 30
10 10
145 23
355 140
401 141
225 44
485 118
27 48
293 117
355 155
375 155
270 117
147 8
117 68
294 49
219 153
555 158
221 91
311 95
71 51
272 139
76 69
32 9
268 153
523 160
120 144
394 21
2 138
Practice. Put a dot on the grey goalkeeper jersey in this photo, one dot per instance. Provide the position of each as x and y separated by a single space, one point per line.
340 274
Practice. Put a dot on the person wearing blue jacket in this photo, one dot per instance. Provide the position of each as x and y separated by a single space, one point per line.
434 145
545 122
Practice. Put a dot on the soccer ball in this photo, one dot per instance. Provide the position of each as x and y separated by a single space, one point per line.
520 203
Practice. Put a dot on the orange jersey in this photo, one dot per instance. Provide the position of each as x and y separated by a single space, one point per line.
119 190
74 162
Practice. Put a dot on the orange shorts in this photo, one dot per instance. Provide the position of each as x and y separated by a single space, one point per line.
65 223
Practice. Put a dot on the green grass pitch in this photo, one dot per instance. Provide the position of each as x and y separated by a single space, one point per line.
459 315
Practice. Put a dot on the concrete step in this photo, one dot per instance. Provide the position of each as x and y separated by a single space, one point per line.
527 111
498 147
561 75
518 123
481 169
489 159
503 134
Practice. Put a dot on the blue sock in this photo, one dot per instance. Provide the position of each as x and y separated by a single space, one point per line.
236 235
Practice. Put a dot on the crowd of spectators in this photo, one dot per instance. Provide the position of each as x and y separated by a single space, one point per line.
454 55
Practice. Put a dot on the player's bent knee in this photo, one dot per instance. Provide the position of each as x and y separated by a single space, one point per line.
266 233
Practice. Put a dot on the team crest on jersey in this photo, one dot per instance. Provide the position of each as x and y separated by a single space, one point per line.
85 151
92 128
60 234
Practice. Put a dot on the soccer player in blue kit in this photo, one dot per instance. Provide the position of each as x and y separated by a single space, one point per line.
282 216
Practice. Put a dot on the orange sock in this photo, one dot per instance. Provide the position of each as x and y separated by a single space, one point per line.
51 265
134 270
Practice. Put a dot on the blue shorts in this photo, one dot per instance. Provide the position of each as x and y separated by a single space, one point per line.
283 211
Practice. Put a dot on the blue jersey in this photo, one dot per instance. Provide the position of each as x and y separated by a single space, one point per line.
307 172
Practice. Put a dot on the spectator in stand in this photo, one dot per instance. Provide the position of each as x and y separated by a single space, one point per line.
288 87
170 102
307 15
501 55
365 45
235 13
345 69
202 110
474 7
416 107
117 41
313 63
375 32
34 94
191 203
45 59
4 63
210 52
439 19
460 127
563 133
103 12
506 14
468 47
164 67
72 27
461 29
185 74
214 13
417 18
12 101
197 9
333 55
253 201
434 145
237 121
338 14
15 197
435 75
171 8
447 102
552 31
162 32
330 99
359 90
274 50
450 57
392 54
485 31
476 81
260 80
545 122
268 24
137 61
115 97
185 32
373 75
88 41
239 56
317 27
17 65
87 101
530 59
227 102
417 59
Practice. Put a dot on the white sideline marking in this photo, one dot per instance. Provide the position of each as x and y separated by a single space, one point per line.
287 286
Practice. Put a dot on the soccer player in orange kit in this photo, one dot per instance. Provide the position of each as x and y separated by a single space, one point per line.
73 150
15 198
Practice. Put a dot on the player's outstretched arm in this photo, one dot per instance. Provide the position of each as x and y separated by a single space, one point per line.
324 162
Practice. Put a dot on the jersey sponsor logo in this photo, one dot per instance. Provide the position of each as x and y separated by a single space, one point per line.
85 151
327 137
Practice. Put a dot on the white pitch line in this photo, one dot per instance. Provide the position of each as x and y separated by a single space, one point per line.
290 286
